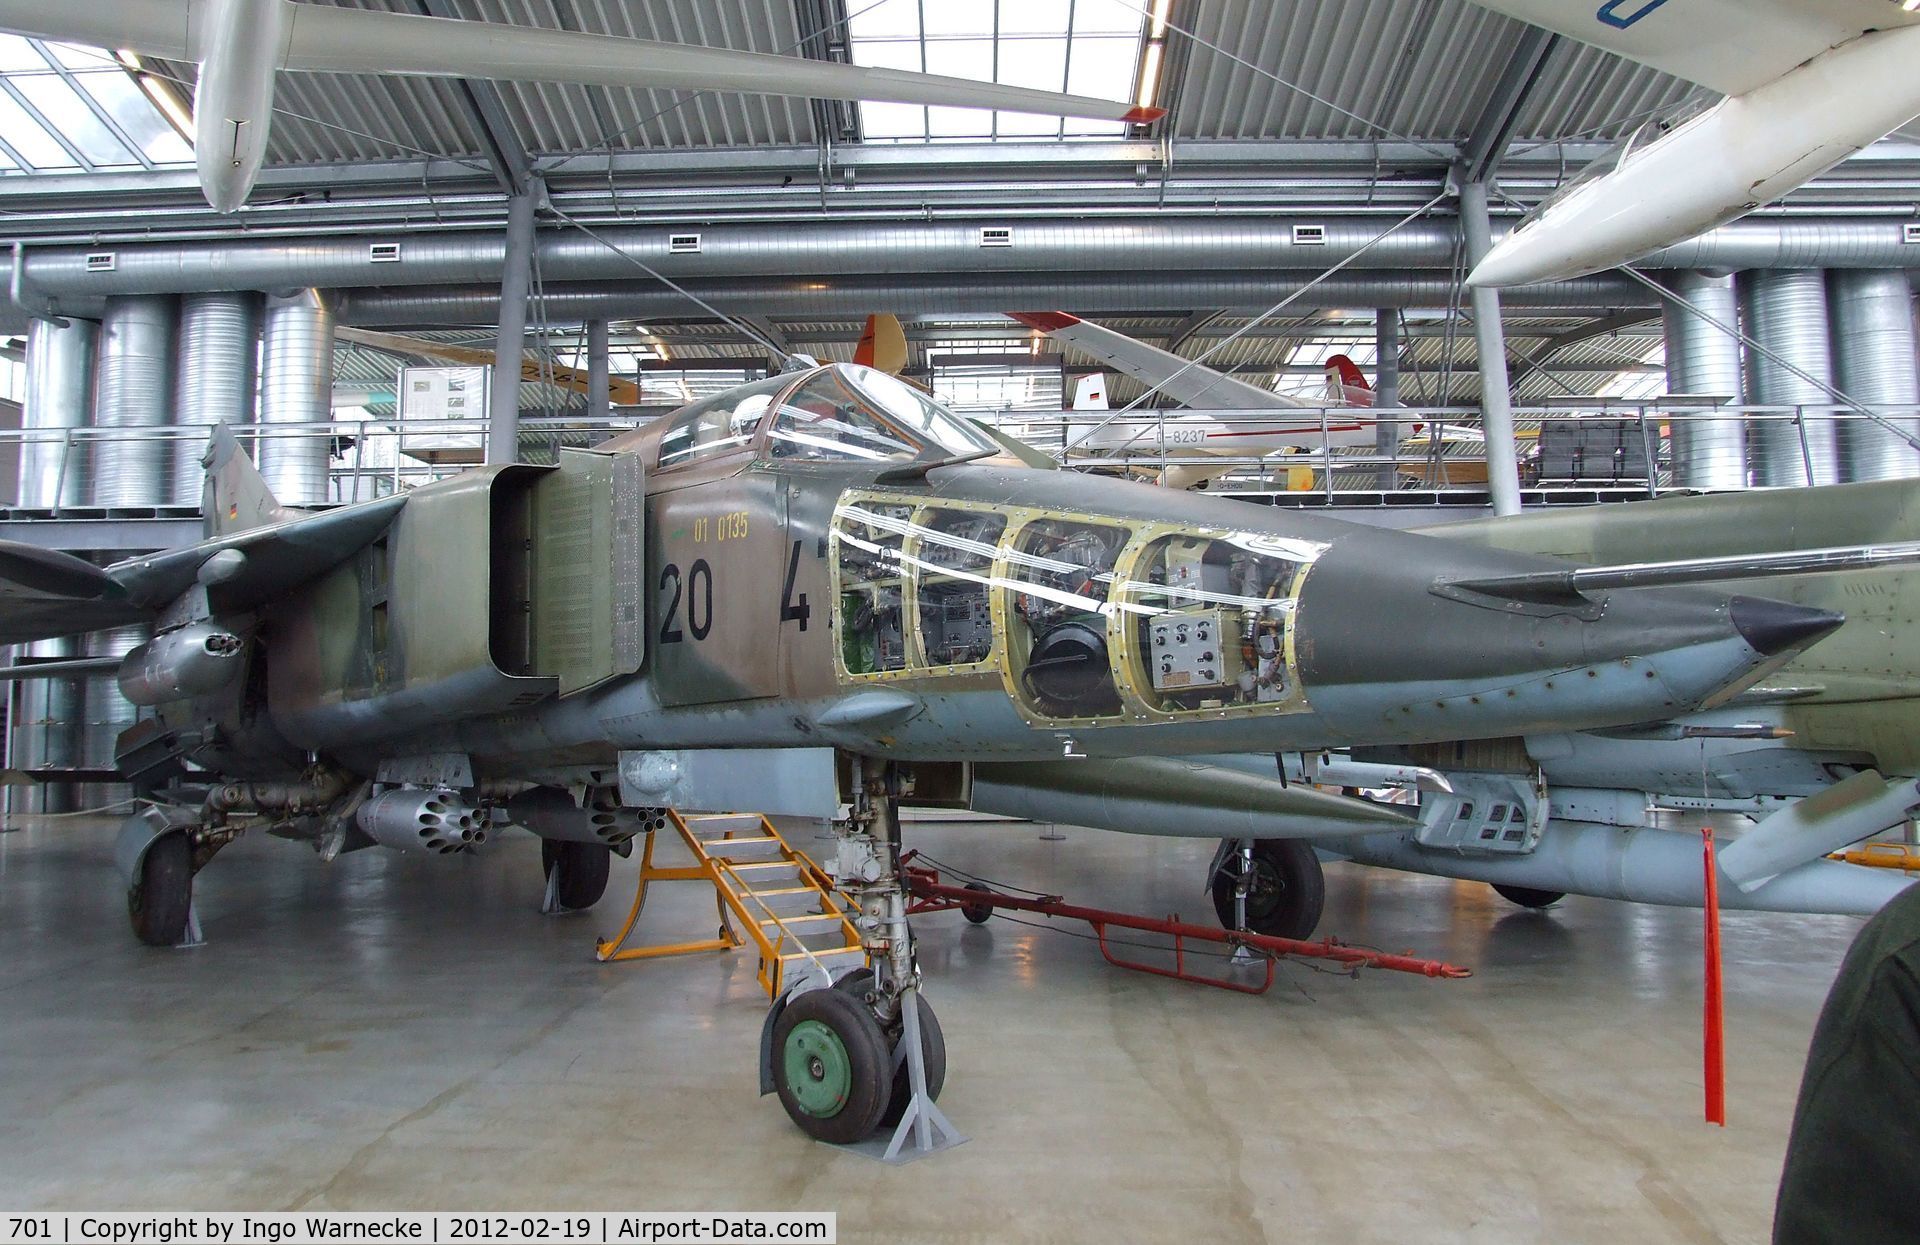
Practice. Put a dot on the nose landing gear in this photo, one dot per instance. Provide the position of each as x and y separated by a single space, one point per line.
851 1055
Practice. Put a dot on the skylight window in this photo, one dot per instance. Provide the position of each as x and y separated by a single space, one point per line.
1083 47
63 106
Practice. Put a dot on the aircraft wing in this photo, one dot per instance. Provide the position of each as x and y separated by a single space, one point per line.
1730 46
1184 381
44 594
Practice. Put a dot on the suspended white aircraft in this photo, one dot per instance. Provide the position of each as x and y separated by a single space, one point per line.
1192 384
241 44
1808 83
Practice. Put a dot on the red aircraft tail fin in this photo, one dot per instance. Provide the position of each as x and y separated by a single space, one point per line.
883 344
1345 385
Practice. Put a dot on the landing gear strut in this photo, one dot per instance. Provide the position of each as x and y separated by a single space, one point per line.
825 1034
1276 884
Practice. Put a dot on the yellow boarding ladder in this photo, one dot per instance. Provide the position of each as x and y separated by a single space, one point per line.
783 900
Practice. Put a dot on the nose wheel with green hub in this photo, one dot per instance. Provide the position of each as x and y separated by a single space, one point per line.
831 1066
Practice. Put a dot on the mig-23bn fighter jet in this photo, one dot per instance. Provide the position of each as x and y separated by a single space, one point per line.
817 589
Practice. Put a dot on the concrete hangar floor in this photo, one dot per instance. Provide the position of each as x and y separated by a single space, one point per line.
398 1033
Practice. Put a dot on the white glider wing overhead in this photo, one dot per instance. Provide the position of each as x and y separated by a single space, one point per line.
1807 82
1730 46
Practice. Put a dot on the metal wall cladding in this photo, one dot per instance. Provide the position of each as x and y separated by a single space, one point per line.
107 712
219 353
1876 360
1703 357
296 387
1785 312
59 395
133 390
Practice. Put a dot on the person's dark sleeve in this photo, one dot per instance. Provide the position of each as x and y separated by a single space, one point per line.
1855 1144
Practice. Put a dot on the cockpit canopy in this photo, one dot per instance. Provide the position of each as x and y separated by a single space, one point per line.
839 412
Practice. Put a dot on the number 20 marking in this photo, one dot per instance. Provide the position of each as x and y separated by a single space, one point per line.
698 591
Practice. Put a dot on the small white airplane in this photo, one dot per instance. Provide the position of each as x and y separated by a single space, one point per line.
240 45
1192 384
1808 83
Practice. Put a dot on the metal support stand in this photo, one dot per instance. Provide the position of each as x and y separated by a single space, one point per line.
1243 884
516 276
928 1126
193 937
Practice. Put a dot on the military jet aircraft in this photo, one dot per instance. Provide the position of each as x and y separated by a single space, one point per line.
1545 815
817 588
241 46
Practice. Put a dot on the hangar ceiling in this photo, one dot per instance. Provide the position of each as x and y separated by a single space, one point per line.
1348 111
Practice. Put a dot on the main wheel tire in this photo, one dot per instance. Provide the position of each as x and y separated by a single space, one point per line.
583 869
933 1047
1288 893
977 913
1527 896
158 903
831 1065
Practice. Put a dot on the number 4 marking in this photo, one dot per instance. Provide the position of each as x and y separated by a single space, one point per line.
791 610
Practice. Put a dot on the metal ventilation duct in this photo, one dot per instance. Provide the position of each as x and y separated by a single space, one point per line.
219 353
877 248
1702 360
59 394
134 388
107 711
1875 360
1090 294
296 387
48 728
1786 312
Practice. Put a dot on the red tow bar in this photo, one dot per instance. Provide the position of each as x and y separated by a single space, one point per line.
933 895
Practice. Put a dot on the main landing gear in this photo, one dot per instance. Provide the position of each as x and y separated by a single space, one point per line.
1269 886
576 873
852 1055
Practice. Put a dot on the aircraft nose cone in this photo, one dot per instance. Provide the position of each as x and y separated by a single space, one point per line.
1774 626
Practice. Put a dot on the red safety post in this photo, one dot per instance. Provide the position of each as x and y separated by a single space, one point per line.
1714 1028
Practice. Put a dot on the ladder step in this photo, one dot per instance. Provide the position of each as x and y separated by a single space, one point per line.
781 890
809 918
757 841
743 866
825 951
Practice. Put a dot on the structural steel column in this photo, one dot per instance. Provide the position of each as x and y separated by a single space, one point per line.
1386 393
503 406
1703 360
599 399
1496 400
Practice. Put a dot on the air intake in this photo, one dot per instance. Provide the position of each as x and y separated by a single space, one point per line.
384 253
1912 233
683 244
1309 235
102 261
996 236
